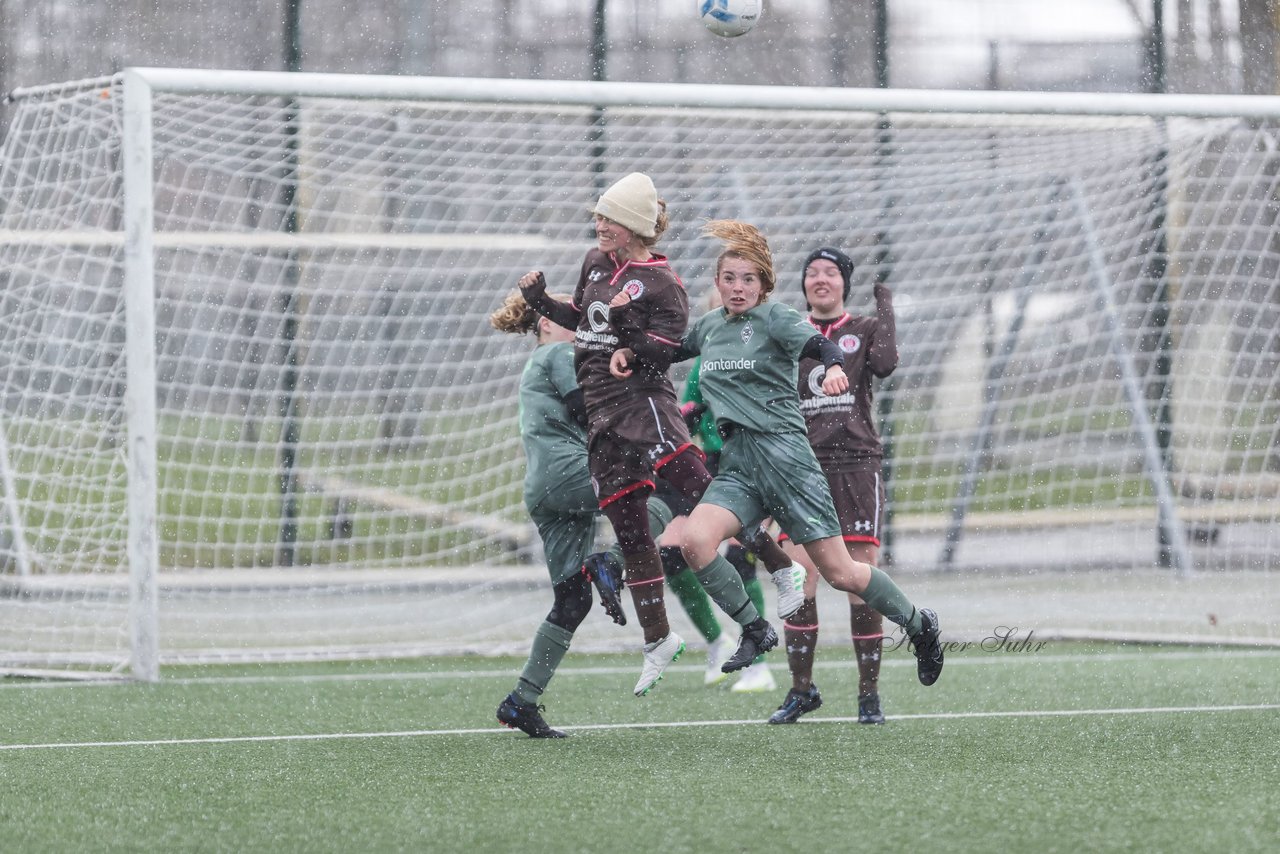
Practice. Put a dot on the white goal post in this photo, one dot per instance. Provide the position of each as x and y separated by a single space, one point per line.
252 409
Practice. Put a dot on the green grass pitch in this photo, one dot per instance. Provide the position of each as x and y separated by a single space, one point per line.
1070 748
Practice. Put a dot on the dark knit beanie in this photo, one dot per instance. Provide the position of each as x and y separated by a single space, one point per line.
842 261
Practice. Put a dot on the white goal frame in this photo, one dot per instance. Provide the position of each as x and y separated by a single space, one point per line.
140 238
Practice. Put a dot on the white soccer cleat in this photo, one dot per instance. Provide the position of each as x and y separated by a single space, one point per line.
718 653
790 584
657 656
755 678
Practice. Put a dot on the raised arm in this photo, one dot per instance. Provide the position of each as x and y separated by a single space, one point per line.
533 286
882 355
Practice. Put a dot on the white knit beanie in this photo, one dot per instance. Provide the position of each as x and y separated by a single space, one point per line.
632 203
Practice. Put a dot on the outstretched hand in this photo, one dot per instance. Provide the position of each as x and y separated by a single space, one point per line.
532 280
835 382
620 362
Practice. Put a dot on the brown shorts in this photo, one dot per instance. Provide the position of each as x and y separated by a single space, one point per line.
859 496
626 457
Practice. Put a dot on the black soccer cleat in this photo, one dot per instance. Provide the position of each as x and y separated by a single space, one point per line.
525 717
869 709
797 703
605 572
927 646
757 637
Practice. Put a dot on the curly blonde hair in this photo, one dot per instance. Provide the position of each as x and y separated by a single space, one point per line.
744 241
517 316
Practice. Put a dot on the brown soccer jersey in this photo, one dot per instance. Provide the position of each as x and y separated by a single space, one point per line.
659 308
842 429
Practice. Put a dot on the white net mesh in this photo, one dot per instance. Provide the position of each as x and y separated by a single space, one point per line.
338 465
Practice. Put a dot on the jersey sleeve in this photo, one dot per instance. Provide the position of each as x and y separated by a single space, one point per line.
581 287
789 329
691 342
882 355
668 315
561 373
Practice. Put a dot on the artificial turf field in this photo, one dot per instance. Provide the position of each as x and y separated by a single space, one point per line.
1070 748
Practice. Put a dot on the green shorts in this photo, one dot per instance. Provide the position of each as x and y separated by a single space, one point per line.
566 521
774 474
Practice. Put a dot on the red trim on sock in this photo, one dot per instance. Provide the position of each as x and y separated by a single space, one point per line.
867 637
643 582
796 628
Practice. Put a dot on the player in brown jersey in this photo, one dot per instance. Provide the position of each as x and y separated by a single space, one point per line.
844 438
628 296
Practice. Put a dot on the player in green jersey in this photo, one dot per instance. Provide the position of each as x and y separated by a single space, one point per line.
750 351
702 426
562 503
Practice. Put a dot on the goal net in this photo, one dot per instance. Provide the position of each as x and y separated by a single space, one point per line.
252 408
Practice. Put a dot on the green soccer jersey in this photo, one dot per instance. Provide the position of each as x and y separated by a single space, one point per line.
749 362
555 447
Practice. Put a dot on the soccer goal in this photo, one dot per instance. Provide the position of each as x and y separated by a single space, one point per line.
252 408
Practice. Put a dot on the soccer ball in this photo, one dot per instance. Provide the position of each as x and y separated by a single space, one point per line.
730 17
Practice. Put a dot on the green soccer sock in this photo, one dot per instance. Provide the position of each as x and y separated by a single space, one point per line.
695 602
550 643
887 598
755 590
724 586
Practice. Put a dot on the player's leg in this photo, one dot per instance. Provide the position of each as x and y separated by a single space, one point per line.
802 505
606 569
565 538
709 525
801 633
644 575
879 591
688 474
620 469
866 628
858 495
685 586
621 473
694 600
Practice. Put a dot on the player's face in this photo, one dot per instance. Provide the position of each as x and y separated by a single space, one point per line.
611 237
553 333
823 286
739 285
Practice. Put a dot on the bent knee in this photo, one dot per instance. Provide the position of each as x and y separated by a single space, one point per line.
698 548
